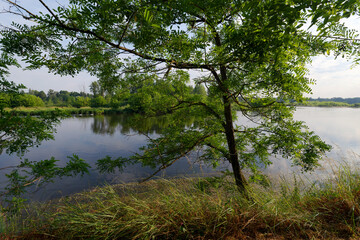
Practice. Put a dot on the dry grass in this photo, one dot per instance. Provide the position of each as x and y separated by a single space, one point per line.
209 208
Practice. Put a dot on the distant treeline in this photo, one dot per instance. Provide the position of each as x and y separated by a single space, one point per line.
337 99
132 100
52 98
332 102
135 100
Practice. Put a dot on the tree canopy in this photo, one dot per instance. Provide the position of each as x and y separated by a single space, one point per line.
251 56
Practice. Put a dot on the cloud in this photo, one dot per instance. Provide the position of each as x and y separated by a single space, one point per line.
334 77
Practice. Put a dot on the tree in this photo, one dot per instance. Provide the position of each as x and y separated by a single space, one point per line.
81 102
41 95
96 89
252 55
98 101
199 89
27 100
52 96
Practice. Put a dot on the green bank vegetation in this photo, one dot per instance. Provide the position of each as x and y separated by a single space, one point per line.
63 111
331 102
328 104
139 100
204 208
127 109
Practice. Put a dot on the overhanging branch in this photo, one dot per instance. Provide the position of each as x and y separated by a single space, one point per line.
200 140
60 24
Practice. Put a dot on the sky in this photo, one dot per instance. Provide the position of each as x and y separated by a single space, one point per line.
334 77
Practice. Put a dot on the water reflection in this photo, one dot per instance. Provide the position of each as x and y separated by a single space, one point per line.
126 123
338 126
94 137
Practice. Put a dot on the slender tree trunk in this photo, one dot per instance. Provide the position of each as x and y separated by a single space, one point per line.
233 158
233 155
229 128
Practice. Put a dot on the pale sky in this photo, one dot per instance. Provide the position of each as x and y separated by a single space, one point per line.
334 77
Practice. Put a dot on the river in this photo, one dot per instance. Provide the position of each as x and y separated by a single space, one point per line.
94 137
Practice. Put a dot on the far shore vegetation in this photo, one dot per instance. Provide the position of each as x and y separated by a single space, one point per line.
34 111
37 102
332 102
97 102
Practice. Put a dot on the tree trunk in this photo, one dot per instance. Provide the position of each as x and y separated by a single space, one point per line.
233 156
229 129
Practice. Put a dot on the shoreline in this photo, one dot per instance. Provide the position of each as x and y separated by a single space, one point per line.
199 208
34 111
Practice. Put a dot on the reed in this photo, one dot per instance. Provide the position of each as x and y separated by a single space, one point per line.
202 208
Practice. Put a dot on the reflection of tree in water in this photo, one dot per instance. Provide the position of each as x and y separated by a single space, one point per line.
103 125
127 123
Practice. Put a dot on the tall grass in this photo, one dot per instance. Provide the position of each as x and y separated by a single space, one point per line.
65 110
205 208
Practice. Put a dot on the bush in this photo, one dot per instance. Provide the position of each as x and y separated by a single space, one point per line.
81 102
26 100
98 101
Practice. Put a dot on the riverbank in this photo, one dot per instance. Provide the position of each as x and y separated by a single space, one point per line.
207 208
328 104
34 111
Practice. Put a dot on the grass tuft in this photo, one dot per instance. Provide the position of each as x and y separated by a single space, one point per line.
204 208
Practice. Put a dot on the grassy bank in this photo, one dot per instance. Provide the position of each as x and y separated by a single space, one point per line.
34 111
208 208
329 104
65 110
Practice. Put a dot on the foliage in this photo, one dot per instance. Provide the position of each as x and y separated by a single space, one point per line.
17 135
81 102
252 55
63 111
24 100
96 89
199 89
98 101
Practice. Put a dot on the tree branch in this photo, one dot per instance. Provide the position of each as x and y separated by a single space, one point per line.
223 152
126 27
60 24
177 158
207 107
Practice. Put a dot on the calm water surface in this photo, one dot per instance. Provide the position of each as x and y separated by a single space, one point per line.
95 137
